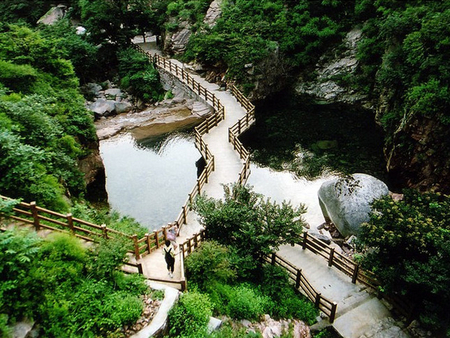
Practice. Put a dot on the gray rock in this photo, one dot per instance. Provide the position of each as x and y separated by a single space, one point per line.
200 109
325 88
113 93
214 324
103 108
92 89
53 15
21 329
323 238
346 201
214 12
122 107
180 40
80 30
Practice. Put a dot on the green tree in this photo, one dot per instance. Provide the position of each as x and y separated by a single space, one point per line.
246 221
138 76
408 245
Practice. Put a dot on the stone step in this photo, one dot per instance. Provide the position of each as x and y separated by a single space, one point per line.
355 322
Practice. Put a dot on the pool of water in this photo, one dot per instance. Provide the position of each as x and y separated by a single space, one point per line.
282 186
150 179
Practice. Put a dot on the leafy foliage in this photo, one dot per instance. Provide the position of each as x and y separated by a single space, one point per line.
190 316
64 287
45 129
209 264
248 31
246 221
409 243
138 76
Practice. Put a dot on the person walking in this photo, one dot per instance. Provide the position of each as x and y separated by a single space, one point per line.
169 256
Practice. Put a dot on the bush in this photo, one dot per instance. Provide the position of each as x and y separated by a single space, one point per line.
53 283
190 316
138 76
246 303
209 264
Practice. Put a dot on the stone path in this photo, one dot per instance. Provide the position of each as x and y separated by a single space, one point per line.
359 312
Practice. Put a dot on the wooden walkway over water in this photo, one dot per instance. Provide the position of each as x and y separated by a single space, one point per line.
228 166
339 285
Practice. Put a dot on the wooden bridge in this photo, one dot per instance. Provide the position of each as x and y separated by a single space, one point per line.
342 284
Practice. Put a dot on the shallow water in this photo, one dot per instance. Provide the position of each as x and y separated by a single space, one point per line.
149 179
284 186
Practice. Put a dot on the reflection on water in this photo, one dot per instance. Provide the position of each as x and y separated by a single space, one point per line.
284 186
149 180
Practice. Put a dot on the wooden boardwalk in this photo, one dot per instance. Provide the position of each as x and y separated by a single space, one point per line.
226 170
359 312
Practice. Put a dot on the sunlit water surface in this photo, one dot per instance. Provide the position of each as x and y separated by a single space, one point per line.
284 186
149 180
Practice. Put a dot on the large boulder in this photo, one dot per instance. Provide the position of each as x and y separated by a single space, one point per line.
346 201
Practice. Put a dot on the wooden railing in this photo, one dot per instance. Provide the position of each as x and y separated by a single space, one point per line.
357 274
304 286
242 125
204 128
43 219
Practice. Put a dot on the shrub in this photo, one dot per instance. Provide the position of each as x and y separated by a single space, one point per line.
138 76
209 264
246 303
190 316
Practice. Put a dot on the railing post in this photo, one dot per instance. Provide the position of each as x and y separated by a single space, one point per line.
355 273
164 228
184 215
182 250
136 247
156 238
183 285
298 278
195 240
305 236
333 312
330 259
70 223
189 245
317 302
104 231
147 240
34 213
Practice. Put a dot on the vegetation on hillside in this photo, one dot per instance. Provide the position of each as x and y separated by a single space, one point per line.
407 245
44 127
65 288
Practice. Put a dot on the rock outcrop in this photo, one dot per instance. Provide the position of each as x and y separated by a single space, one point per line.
214 12
53 15
108 102
329 86
346 201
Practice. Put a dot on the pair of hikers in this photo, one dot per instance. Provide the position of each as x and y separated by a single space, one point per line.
169 250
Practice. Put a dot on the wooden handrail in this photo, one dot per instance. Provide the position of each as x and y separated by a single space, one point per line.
304 286
354 271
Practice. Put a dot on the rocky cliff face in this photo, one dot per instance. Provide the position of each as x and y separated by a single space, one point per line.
414 153
329 84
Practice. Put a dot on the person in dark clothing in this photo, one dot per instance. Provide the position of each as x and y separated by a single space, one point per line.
169 256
